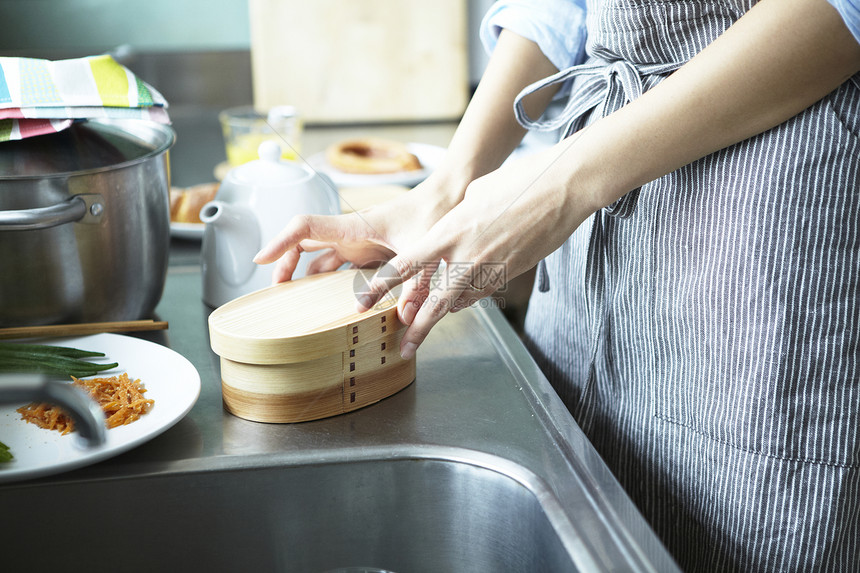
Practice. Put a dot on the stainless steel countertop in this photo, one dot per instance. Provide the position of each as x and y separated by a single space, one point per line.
478 396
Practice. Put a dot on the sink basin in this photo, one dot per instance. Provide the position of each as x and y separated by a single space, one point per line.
433 511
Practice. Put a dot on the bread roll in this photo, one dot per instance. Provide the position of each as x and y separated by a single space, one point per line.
185 204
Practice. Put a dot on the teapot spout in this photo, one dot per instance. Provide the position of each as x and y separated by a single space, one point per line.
230 241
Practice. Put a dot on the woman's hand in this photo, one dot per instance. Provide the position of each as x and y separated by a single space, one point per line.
366 238
507 221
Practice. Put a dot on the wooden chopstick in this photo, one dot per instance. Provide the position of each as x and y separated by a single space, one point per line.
81 329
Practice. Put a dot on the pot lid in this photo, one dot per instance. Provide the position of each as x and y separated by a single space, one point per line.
92 145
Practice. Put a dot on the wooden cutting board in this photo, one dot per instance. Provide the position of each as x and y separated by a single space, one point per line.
299 350
341 61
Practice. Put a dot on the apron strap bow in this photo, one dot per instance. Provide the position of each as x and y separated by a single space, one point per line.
604 86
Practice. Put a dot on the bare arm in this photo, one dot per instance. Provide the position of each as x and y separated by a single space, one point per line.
485 137
779 58
489 132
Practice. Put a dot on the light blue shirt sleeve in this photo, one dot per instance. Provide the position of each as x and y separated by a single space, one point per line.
556 26
850 12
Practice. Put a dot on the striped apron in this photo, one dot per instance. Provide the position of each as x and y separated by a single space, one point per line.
704 330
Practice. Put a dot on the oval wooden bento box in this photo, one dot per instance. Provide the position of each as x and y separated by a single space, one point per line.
299 351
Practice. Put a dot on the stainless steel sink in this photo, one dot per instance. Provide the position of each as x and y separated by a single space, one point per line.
430 511
476 466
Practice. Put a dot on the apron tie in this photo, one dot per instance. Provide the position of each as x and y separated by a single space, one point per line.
602 86
605 86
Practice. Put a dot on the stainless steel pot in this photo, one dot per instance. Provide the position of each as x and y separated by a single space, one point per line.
84 223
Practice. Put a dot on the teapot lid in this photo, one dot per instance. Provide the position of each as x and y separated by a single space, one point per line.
269 170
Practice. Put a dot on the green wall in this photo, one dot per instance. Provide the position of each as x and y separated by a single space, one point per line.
145 25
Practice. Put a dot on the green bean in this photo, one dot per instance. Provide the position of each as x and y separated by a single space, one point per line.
47 349
52 360
5 454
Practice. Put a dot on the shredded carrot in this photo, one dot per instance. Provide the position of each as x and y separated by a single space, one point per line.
120 397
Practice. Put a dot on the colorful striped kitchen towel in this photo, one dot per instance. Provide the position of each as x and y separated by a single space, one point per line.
43 96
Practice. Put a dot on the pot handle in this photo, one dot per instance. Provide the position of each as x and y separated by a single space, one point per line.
75 208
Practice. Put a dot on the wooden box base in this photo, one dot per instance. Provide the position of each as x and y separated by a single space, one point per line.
327 386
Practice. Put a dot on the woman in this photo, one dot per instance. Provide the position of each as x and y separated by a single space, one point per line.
697 309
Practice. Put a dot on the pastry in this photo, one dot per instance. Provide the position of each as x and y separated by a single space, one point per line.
371 156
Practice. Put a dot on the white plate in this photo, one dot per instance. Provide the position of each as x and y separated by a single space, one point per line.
187 230
170 379
429 155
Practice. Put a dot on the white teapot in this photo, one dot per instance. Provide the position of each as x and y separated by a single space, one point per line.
254 202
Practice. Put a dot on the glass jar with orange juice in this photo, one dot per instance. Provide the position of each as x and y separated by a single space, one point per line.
245 128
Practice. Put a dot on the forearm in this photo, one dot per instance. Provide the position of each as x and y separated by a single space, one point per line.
488 131
778 59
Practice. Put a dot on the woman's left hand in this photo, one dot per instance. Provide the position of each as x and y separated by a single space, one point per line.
507 221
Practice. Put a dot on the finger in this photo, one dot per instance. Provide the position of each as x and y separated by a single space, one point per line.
285 265
325 262
391 274
288 239
324 228
472 294
437 305
310 245
407 312
408 303
415 292
468 298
